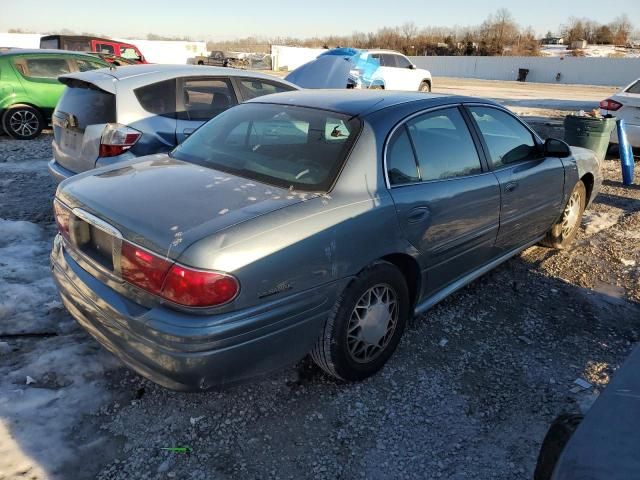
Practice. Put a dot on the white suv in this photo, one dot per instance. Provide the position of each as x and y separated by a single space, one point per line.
396 72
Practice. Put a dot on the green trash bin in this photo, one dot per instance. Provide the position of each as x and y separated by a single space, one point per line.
593 133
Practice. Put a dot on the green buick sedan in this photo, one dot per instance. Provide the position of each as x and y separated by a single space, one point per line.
29 87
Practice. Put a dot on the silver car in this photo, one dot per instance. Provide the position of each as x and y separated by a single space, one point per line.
310 221
111 115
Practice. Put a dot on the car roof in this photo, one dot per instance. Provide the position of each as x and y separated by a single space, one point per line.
38 51
158 72
359 102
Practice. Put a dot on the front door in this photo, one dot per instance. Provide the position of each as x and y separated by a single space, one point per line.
447 203
199 100
531 184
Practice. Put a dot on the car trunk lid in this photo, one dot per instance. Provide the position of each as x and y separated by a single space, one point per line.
164 204
83 111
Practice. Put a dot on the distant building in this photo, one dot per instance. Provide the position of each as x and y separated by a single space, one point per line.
552 41
578 44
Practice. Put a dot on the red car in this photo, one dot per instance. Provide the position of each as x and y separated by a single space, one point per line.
83 43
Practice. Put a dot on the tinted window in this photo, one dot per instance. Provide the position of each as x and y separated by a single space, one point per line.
104 48
402 62
204 99
158 98
86 65
42 67
252 88
635 88
508 140
443 144
401 163
389 60
277 144
89 106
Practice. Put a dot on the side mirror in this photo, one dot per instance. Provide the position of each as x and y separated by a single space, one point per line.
556 148
412 67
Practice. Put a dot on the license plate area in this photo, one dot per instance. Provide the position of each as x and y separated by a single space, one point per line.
94 243
70 140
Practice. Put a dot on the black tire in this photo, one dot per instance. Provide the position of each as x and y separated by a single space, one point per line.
22 122
200 62
377 86
554 442
565 229
335 351
425 87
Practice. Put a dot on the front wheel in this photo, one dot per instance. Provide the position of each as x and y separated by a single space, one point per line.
22 122
565 230
425 87
365 325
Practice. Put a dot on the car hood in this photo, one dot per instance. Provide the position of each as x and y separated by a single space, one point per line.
335 71
165 204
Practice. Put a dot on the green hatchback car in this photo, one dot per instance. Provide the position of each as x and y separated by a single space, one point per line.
29 87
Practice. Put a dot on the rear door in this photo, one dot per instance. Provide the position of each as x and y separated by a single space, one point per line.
199 99
38 75
447 201
78 123
531 184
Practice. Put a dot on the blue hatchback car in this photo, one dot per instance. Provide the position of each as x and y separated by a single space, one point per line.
116 114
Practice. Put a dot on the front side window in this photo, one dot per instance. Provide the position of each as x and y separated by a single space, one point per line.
287 146
129 52
252 88
42 67
507 139
401 162
444 146
402 62
206 98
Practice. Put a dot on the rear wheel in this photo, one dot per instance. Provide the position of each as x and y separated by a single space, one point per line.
425 87
365 325
22 122
200 62
564 231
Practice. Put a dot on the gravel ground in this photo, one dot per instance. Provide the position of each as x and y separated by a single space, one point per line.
469 394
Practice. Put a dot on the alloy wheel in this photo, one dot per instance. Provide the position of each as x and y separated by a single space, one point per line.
571 214
372 323
24 123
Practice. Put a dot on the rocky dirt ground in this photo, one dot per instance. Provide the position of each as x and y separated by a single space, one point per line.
469 394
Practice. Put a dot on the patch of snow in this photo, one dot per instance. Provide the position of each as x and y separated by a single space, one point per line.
597 221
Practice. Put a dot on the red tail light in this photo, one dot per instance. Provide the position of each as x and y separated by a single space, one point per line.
63 217
610 104
176 283
117 139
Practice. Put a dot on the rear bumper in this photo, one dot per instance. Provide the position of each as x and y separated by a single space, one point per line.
58 172
633 135
193 352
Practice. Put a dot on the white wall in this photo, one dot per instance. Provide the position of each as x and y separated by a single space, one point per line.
290 58
573 70
20 40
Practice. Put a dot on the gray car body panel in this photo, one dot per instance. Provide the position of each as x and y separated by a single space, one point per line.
280 249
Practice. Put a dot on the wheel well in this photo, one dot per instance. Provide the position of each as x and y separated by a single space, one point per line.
426 80
410 270
588 181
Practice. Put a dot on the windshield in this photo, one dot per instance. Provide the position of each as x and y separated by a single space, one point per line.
286 146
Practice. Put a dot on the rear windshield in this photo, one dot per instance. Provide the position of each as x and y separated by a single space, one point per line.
89 106
635 88
291 147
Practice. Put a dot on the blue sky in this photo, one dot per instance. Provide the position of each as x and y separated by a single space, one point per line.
203 19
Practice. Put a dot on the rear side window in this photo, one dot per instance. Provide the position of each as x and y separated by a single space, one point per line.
389 60
85 65
105 48
635 88
252 88
507 139
444 145
401 163
89 106
158 98
205 98
50 67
